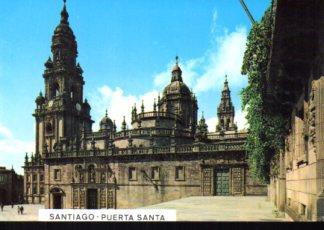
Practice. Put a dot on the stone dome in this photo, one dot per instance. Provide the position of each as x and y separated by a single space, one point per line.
177 87
106 123
40 99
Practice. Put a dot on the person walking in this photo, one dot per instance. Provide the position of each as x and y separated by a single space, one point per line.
12 205
18 208
22 210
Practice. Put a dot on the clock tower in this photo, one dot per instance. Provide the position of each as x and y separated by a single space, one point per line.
61 113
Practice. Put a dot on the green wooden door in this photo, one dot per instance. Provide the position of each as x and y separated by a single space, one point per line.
222 182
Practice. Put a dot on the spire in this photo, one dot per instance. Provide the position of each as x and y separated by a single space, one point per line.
154 106
106 113
64 46
64 14
142 107
26 158
115 127
123 124
176 71
226 88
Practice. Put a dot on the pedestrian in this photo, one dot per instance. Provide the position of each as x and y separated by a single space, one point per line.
21 210
1 207
12 205
18 208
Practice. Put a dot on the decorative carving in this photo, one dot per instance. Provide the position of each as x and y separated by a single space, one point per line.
312 118
110 199
102 198
75 198
82 198
237 180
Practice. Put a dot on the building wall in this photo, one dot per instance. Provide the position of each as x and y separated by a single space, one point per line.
129 182
304 160
34 187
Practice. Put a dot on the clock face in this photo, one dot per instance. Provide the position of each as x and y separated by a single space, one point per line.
78 107
50 103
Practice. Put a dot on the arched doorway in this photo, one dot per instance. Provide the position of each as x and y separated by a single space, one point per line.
57 198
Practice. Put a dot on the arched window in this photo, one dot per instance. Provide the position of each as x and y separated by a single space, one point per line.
91 174
55 90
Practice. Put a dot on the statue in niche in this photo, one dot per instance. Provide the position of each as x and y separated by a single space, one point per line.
92 174
103 177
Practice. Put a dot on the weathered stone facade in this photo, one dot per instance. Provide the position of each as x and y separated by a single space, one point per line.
165 155
296 71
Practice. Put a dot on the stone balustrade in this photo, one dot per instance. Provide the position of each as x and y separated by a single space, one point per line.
180 149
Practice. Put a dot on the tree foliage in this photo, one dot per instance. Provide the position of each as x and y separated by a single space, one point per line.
265 129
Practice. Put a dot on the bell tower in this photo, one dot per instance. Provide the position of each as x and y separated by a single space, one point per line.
61 114
225 111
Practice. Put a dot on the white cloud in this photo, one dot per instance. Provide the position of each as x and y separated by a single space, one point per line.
214 26
118 104
13 150
241 120
226 58
5 132
211 122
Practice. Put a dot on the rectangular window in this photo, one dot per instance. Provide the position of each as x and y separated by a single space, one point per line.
155 175
41 190
132 173
179 173
41 178
57 174
34 177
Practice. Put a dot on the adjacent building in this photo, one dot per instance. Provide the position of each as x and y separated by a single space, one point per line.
11 187
296 81
166 153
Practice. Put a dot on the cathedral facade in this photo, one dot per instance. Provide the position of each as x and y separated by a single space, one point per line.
167 153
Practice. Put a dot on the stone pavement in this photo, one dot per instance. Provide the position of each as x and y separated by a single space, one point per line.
11 214
215 208
222 208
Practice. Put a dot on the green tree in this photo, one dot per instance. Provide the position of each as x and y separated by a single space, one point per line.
266 127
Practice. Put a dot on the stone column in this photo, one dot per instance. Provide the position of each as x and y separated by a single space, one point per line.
281 184
25 186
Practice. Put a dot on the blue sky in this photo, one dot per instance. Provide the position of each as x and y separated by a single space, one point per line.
126 49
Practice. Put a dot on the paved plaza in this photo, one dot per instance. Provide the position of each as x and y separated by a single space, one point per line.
188 209
222 208
11 214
